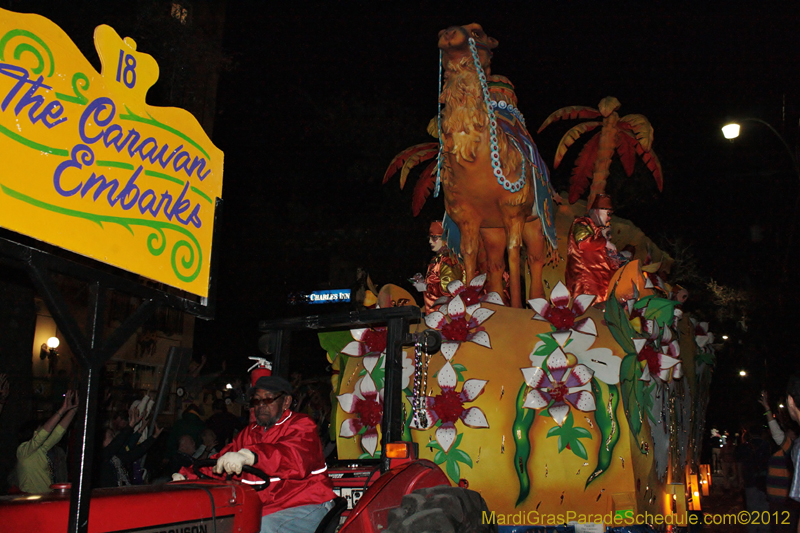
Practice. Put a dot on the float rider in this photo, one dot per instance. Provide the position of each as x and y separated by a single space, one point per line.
442 269
284 445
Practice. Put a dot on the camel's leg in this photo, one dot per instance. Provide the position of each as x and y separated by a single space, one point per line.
533 238
514 226
470 243
494 241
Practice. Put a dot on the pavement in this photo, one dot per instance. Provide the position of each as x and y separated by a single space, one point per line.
723 502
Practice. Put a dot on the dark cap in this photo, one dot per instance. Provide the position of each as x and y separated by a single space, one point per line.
272 384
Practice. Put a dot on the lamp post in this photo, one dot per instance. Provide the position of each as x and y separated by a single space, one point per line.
731 131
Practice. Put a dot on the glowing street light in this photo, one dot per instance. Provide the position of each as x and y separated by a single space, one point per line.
724 337
731 131
743 373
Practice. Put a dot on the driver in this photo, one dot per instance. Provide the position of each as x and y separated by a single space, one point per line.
285 445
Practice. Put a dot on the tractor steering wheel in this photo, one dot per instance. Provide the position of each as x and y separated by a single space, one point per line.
201 463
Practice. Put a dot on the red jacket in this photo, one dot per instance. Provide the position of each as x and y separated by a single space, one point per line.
291 453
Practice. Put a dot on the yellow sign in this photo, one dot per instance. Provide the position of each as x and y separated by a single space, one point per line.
90 167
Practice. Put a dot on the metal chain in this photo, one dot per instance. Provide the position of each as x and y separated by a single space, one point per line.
420 418
495 153
440 156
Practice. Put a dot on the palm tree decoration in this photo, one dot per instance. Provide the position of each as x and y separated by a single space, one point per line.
627 136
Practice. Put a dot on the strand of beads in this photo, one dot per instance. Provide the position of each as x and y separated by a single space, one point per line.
440 156
420 418
495 152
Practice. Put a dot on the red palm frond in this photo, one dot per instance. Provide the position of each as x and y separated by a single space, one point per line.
651 160
640 127
400 159
584 165
423 188
570 137
627 153
570 113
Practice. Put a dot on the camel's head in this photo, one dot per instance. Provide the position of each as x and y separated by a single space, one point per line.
454 42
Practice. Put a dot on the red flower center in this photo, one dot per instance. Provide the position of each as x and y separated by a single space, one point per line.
471 295
448 405
561 317
456 330
558 392
375 340
370 412
651 356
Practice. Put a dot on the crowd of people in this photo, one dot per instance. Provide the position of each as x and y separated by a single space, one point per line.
131 449
759 462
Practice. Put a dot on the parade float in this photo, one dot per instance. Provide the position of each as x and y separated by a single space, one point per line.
586 405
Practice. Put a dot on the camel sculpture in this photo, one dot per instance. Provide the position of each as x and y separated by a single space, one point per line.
496 186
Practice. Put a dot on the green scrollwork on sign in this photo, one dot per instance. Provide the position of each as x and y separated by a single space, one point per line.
190 261
80 83
30 48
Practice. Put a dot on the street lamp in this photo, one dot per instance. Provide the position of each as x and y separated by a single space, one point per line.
743 373
732 129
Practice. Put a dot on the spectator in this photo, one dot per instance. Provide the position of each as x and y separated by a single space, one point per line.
754 453
32 473
183 458
190 424
208 446
120 449
224 424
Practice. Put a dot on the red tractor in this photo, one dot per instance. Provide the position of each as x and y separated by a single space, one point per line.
397 493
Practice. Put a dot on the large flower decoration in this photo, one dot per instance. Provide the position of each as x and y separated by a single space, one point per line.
702 337
448 407
561 314
602 362
367 404
460 324
369 343
473 293
562 384
662 362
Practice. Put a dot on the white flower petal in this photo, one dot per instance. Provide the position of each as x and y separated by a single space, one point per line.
481 338
447 376
481 315
445 436
370 361
559 413
557 364
349 428
456 308
582 302
474 418
473 388
493 298
347 401
369 441
561 337
455 287
449 349
665 361
354 348
367 386
559 296
586 326
535 400
478 281
539 305
585 401
534 376
638 344
582 374
435 320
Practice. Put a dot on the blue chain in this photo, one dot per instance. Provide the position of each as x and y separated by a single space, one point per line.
490 105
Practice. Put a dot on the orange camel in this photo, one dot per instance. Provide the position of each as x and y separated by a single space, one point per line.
490 202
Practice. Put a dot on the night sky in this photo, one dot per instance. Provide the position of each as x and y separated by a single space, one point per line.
316 98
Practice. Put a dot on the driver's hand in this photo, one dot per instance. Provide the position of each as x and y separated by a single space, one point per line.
232 462
178 477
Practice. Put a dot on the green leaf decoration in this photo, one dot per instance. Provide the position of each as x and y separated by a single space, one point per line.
569 436
379 373
460 369
334 342
522 442
453 470
659 309
451 458
619 325
646 401
605 416
627 369
549 345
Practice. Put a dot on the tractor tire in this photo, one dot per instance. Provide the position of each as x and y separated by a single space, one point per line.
440 510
